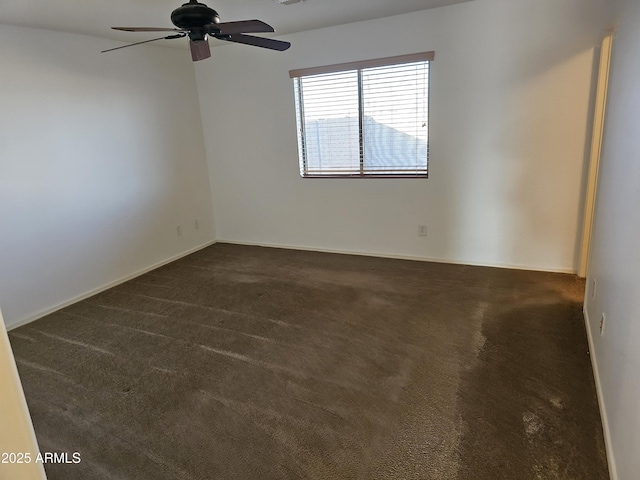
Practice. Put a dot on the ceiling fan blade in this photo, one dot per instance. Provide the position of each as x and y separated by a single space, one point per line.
180 35
270 43
199 49
146 29
244 26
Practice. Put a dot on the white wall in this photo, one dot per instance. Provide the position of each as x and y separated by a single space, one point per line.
615 255
511 89
101 156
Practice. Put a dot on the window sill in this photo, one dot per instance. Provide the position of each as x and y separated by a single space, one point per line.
422 175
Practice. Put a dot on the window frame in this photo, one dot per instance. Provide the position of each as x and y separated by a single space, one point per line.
297 74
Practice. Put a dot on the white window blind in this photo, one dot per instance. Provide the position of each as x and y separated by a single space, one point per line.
364 119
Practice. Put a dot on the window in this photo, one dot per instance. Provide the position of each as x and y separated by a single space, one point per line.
364 119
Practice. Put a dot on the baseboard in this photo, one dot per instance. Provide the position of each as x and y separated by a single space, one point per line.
126 278
90 293
603 410
399 257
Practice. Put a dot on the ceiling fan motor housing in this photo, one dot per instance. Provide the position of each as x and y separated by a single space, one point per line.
194 15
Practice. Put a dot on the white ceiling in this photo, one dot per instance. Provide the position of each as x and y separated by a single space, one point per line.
95 17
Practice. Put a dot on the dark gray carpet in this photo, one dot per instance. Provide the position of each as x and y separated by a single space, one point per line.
255 363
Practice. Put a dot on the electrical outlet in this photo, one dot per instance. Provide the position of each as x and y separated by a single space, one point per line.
603 324
196 224
179 230
593 289
422 230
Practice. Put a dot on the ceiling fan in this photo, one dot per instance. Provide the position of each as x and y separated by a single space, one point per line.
198 22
